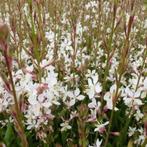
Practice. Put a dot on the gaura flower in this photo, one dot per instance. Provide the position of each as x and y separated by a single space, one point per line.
94 86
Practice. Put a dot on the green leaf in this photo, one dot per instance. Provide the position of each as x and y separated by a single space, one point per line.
9 135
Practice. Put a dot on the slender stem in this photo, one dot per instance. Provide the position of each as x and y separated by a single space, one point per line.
112 112
109 127
17 109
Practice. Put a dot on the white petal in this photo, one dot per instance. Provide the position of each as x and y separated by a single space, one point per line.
129 92
92 104
77 92
138 102
70 94
32 100
36 110
68 127
109 104
80 97
98 143
143 95
95 79
127 101
56 103
72 102
41 98
46 104
96 129
113 88
91 93
107 96
137 94
98 88
90 82
145 83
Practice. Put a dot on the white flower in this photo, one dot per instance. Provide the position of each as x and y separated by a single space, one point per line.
37 109
50 36
51 79
94 104
92 116
6 100
70 97
131 131
77 95
65 126
138 115
100 127
67 96
132 98
33 98
108 97
97 144
94 86
141 137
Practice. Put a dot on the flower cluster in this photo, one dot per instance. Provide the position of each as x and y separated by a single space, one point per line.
74 72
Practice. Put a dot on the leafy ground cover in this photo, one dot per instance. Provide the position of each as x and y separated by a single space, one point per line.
73 73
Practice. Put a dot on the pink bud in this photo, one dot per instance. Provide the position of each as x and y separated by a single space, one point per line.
115 133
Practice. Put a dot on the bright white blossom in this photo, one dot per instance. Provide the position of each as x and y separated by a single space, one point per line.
132 98
101 127
94 87
65 126
131 131
108 97
97 144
